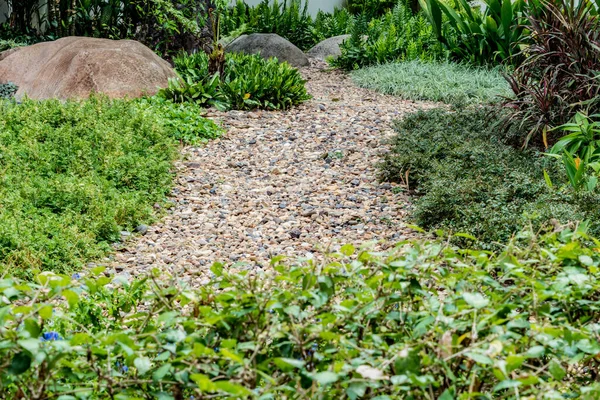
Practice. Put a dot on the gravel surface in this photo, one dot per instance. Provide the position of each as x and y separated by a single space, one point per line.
298 183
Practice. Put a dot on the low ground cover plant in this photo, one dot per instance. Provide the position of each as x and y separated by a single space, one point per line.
76 174
247 82
466 179
424 320
398 35
434 81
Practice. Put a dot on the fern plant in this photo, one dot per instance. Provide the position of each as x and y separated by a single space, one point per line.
399 35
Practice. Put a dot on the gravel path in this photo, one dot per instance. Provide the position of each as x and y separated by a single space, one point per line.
295 183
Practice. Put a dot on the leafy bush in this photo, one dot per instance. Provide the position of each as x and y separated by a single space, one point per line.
466 180
10 44
425 321
399 35
579 151
559 76
434 81
481 35
166 26
76 174
329 25
290 20
183 122
370 8
248 82
7 90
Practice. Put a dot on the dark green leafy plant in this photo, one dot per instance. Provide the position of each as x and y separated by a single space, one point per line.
482 35
329 25
399 35
579 151
166 26
370 8
465 179
559 75
423 321
248 82
288 18
10 44
76 174
8 90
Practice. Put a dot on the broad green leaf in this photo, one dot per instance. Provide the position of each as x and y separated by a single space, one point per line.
142 364
326 377
476 300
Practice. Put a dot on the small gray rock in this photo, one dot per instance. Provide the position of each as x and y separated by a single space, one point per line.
269 45
328 48
141 229
295 233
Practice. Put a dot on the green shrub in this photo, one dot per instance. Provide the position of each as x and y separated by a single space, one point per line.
466 180
248 82
434 81
399 35
488 33
10 44
370 8
166 26
289 19
329 25
559 75
76 174
424 321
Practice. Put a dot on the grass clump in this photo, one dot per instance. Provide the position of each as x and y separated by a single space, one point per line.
422 321
75 174
467 180
434 81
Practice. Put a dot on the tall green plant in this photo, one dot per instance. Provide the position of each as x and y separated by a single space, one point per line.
559 74
399 35
486 34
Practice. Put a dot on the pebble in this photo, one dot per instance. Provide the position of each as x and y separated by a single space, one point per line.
263 189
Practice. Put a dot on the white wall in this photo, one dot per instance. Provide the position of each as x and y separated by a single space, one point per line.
313 5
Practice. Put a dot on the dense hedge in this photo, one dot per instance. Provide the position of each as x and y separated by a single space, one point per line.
424 321
467 180
73 175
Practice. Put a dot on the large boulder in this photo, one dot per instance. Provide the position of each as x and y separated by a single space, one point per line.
328 48
75 67
269 45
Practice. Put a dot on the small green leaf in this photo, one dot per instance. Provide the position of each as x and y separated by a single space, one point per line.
288 363
161 372
476 300
479 358
326 377
557 371
142 364
232 388
20 363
